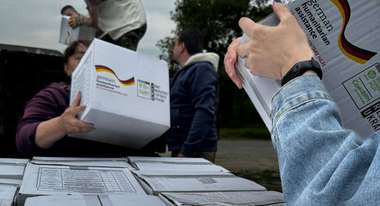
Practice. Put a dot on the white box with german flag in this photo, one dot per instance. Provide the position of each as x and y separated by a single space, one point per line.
344 35
126 95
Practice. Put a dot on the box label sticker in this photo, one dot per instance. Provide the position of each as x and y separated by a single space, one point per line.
364 90
151 91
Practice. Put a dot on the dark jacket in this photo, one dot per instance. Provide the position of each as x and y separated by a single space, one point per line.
193 106
47 104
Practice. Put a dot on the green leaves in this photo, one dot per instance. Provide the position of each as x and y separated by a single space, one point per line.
218 21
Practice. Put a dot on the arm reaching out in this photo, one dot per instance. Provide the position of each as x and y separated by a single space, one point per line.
50 131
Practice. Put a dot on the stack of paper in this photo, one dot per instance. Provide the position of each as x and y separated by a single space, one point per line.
62 179
344 37
95 200
225 198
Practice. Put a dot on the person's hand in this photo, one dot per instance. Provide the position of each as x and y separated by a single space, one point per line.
69 121
230 61
74 14
75 21
272 51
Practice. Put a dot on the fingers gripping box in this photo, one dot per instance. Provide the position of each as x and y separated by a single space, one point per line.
126 95
68 35
345 40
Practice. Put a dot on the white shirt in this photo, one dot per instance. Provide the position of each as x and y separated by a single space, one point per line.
117 17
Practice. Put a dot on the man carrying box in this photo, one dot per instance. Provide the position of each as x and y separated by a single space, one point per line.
193 99
49 120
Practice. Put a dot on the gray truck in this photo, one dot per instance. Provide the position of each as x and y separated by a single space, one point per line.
23 72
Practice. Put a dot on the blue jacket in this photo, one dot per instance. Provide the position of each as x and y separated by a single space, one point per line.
193 106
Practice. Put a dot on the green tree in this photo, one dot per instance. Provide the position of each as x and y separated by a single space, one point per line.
218 21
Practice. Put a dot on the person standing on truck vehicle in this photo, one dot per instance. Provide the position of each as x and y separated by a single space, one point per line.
121 22
69 10
48 121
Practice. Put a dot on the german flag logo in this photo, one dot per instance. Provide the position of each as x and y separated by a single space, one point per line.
353 52
128 82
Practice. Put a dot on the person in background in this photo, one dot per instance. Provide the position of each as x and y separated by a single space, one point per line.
120 22
321 162
193 99
49 120
69 10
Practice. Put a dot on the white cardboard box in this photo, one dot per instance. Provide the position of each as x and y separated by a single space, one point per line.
99 200
184 160
163 165
126 95
12 168
42 180
224 198
7 194
155 183
83 162
68 34
344 37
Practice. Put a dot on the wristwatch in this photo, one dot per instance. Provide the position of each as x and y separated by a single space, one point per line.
300 68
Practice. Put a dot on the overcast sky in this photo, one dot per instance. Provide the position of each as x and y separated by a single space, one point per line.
36 22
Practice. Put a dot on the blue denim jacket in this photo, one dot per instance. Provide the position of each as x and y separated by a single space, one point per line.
321 163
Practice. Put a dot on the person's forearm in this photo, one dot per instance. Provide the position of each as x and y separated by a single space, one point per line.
308 136
49 132
92 20
88 21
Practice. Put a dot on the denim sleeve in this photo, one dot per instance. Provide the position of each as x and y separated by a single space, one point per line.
321 163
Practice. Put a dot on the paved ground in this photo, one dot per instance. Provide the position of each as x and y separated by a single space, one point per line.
255 155
252 159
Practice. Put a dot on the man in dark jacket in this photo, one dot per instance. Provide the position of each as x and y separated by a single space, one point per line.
193 99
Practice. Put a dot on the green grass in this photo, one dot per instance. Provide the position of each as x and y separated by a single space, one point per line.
244 133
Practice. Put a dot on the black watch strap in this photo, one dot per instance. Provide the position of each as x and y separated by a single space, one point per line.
300 68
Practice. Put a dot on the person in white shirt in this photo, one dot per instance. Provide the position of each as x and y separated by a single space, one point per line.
121 22
69 10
